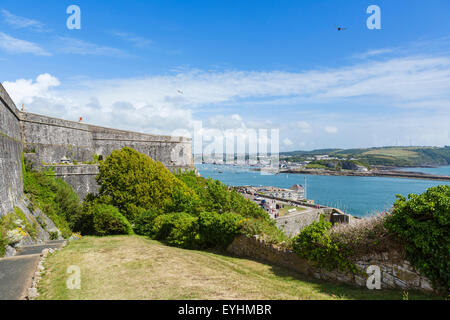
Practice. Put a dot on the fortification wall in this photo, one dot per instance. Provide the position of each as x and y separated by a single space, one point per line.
53 139
47 141
173 152
11 181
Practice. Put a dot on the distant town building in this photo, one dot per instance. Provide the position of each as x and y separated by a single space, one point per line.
295 193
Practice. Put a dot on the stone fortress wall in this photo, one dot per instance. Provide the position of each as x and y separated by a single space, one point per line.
48 142
11 182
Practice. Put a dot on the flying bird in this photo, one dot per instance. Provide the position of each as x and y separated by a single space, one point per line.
340 28
180 92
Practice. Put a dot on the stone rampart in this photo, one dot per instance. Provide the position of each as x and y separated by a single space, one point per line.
11 182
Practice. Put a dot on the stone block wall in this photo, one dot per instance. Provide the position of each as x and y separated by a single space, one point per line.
47 141
294 223
396 273
11 181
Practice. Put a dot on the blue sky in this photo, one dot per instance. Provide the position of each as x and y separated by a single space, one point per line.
239 65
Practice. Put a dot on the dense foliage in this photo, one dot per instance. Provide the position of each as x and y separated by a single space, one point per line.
53 196
423 223
107 220
130 180
184 210
315 244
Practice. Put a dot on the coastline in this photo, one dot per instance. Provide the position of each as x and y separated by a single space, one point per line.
390 174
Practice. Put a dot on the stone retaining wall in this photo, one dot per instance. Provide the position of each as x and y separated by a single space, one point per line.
396 273
11 182
292 224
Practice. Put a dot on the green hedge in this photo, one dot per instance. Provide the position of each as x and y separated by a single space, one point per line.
314 244
423 223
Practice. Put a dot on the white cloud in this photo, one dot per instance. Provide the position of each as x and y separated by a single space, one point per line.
137 41
372 53
13 45
21 22
287 142
329 129
27 90
401 86
76 46
304 127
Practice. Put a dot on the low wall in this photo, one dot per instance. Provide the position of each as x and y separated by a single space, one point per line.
396 273
294 223
11 182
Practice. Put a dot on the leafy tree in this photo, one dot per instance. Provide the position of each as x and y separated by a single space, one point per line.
129 178
423 223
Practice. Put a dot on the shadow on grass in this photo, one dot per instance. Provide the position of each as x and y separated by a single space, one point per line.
334 289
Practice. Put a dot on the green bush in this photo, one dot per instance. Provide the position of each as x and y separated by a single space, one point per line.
214 196
422 222
315 245
218 230
265 229
107 220
53 196
128 177
177 229
3 241
143 224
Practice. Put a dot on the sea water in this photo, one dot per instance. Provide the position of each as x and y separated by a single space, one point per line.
358 196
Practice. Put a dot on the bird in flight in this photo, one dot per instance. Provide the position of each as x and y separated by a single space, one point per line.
340 28
180 92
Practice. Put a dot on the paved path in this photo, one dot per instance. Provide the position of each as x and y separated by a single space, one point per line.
16 273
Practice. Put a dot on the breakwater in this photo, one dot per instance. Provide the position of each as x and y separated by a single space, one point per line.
391 174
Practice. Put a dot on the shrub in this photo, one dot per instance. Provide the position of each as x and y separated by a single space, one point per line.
107 220
266 230
143 224
366 236
128 177
3 241
423 222
315 245
177 229
218 230
53 196
215 196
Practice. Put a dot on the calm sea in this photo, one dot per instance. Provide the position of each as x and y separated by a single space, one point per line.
359 196
445 171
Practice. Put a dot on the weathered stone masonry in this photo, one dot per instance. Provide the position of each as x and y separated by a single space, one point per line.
11 182
396 273
45 141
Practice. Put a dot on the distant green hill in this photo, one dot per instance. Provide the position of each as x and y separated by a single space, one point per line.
387 156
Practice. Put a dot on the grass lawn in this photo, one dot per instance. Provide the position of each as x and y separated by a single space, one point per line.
133 267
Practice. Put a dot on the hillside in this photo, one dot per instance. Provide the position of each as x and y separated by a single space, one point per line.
384 156
137 268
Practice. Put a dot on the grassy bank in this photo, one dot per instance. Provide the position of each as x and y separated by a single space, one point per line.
132 267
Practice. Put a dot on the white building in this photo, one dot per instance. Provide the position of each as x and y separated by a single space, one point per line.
295 193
